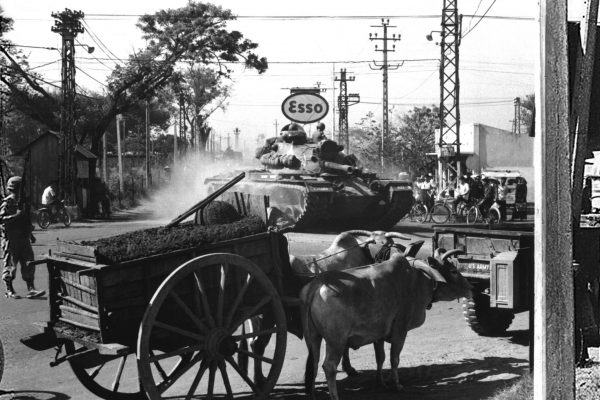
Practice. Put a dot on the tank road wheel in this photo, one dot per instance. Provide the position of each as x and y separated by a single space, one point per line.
107 377
483 319
198 311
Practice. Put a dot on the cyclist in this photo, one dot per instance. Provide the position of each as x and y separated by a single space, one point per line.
463 191
490 193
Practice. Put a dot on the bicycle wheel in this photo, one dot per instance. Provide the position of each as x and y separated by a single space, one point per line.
461 208
44 219
440 213
493 216
473 215
420 212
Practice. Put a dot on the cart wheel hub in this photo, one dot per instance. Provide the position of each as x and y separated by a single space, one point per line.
219 344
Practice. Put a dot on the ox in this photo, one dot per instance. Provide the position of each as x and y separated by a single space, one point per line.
371 304
349 249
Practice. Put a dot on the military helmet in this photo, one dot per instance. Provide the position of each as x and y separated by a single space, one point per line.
13 183
321 126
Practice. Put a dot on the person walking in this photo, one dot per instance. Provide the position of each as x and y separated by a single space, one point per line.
16 241
501 197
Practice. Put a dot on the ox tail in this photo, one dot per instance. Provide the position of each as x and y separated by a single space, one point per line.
307 296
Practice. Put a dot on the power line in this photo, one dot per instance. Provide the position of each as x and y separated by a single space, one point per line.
91 77
479 20
329 17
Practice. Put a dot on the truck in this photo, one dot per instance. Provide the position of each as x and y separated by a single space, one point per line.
498 262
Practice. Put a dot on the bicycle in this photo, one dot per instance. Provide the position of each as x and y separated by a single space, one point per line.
440 213
474 214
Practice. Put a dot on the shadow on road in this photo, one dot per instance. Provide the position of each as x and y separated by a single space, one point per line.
32 395
469 379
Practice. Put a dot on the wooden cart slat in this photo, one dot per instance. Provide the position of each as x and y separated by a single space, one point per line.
111 298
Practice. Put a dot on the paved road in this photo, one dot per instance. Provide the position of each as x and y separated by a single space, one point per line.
442 359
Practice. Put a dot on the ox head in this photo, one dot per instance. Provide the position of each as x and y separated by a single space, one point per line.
451 284
380 244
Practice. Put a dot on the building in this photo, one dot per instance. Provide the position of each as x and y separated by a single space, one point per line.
485 148
41 168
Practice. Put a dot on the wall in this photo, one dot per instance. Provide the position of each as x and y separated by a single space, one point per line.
499 149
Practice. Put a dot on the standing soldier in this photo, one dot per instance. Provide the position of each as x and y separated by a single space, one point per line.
16 241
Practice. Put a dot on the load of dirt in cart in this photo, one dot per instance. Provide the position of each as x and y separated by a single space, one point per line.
148 242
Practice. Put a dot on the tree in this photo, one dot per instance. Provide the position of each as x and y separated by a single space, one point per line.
528 112
203 91
411 137
196 32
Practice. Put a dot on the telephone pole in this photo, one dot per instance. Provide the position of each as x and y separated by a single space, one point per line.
345 100
236 132
449 140
384 66
182 127
517 120
67 23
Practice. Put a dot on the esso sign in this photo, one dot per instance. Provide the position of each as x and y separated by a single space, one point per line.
305 107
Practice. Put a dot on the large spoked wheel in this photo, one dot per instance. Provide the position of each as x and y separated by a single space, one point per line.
420 212
440 214
108 377
473 215
198 311
65 217
44 219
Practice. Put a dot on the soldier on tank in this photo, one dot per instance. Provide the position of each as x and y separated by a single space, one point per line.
16 241
320 133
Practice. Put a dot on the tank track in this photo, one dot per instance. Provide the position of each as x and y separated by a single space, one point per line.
315 212
399 209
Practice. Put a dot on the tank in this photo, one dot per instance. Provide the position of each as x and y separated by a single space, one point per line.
309 185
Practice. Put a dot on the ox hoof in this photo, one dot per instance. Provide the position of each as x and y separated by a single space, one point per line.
351 371
399 387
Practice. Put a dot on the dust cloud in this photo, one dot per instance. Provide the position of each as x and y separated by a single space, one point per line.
185 186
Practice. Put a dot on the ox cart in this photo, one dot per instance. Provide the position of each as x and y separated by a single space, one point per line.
168 324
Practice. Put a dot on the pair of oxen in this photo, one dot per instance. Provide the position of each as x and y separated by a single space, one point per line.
366 289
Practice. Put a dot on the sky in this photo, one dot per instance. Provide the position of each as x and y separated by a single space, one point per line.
497 53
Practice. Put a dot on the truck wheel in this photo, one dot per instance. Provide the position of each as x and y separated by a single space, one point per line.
484 320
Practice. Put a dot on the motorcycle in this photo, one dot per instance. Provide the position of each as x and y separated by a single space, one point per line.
45 216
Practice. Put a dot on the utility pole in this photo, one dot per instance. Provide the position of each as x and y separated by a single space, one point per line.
236 132
104 167
67 23
182 127
384 66
345 100
148 172
119 155
449 138
517 120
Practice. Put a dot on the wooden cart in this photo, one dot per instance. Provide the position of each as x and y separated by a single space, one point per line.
178 316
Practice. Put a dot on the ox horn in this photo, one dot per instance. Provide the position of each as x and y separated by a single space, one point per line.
451 253
396 235
360 233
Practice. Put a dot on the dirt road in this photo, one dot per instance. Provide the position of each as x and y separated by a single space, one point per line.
443 359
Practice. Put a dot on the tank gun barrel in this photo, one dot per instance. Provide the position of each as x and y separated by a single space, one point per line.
349 169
